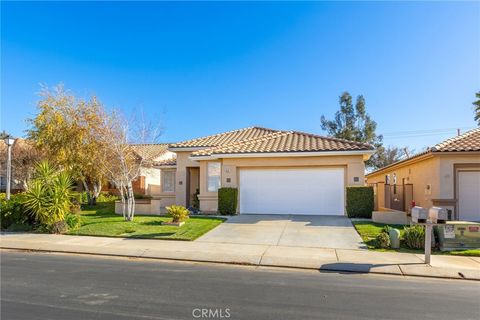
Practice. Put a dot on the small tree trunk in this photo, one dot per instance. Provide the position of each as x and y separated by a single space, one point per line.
131 201
122 195
97 187
87 190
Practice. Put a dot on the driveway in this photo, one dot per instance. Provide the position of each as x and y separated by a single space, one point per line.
287 230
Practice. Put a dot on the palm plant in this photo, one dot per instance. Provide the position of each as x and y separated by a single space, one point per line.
48 196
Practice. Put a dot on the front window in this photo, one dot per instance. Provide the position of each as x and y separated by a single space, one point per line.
213 176
168 181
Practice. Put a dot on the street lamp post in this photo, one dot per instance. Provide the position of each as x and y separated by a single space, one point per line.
9 141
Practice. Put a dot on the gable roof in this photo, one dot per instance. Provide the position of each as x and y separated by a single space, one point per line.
285 142
150 151
224 138
467 142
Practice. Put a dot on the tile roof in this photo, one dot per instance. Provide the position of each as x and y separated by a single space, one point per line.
467 142
224 138
285 141
166 162
150 151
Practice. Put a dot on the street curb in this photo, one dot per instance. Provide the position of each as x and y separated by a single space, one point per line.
460 276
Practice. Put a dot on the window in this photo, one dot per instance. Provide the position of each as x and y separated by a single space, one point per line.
213 176
168 181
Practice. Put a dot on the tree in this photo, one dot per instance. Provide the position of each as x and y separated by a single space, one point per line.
476 105
385 156
4 134
353 123
124 164
66 129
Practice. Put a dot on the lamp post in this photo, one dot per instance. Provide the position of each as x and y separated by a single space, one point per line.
9 141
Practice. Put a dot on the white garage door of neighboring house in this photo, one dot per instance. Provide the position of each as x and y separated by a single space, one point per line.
292 191
469 195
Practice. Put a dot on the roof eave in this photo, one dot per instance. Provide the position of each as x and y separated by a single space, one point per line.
283 154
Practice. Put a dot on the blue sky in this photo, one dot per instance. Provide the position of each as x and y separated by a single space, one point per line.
203 68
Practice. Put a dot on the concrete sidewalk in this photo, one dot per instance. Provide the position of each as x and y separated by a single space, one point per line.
342 260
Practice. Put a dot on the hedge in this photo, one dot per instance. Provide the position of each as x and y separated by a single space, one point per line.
360 202
227 200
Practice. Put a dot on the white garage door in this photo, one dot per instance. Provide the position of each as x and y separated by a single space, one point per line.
469 195
292 191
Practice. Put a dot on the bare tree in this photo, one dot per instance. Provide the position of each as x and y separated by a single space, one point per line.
124 164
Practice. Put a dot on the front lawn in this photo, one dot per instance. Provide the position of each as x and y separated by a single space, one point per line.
368 230
100 220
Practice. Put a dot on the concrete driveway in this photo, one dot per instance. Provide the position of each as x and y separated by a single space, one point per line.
287 230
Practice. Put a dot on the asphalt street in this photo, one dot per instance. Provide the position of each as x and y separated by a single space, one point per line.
61 286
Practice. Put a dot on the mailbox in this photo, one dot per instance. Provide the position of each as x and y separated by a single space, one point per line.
438 215
419 214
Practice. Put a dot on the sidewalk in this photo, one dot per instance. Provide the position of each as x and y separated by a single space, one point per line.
342 260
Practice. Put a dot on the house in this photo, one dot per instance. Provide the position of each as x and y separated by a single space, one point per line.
275 171
24 155
446 175
148 183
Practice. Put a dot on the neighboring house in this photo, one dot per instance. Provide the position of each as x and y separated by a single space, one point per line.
446 175
24 157
148 183
276 172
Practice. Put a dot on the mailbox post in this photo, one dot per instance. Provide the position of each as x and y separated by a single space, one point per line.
434 217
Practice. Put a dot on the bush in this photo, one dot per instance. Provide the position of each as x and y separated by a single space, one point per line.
142 196
72 220
48 196
107 197
59 227
414 237
13 212
360 202
227 201
382 240
178 213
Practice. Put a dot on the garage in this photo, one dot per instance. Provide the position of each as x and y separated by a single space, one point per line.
468 195
302 191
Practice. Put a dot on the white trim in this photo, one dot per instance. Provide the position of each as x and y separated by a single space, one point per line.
164 167
283 154
173 149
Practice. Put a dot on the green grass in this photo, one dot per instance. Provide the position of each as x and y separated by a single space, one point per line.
100 220
368 230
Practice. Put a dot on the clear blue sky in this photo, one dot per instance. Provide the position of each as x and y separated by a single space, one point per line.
209 67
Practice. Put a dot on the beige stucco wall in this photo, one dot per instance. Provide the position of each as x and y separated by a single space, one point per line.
354 167
183 162
436 170
152 180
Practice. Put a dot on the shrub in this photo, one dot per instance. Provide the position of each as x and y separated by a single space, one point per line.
360 202
178 213
48 196
59 227
72 220
414 237
382 240
12 211
107 197
195 200
227 200
141 196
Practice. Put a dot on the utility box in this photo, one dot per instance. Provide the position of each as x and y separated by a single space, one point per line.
458 235
438 215
419 214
